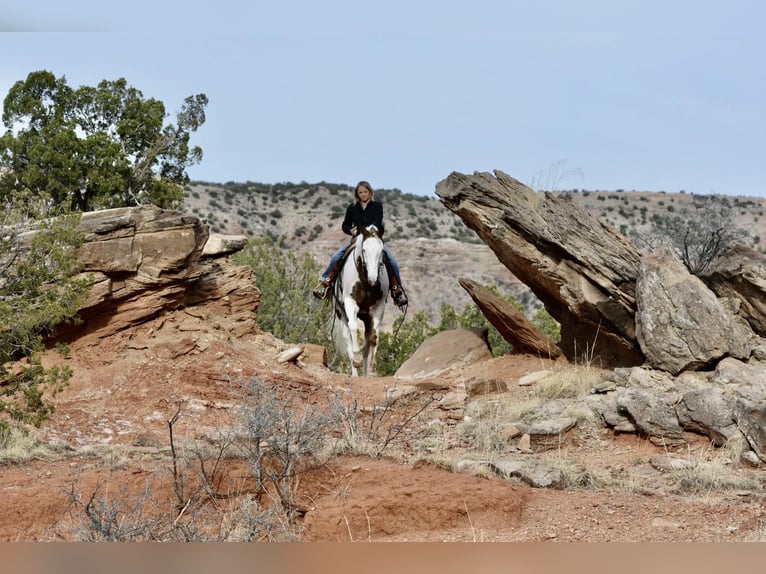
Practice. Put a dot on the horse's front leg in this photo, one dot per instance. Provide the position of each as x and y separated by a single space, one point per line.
370 352
371 339
353 350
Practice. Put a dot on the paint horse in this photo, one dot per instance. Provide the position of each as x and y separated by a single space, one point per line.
360 300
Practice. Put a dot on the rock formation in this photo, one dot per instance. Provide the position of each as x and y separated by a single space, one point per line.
510 322
582 270
686 352
146 260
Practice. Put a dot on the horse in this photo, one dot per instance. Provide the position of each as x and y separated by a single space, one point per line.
360 294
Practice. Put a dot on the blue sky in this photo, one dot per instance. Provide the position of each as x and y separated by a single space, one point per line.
646 95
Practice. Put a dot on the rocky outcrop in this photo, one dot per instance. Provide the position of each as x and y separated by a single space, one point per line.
686 352
582 269
446 350
146 260
739 274
511 323
681 324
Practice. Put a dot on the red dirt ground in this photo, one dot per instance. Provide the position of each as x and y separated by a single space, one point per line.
114 415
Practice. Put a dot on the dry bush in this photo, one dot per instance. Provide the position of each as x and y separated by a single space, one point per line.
374 430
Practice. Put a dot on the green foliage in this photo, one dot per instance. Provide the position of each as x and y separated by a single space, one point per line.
407 335
701 231
39 289
287 309
91 148
547 324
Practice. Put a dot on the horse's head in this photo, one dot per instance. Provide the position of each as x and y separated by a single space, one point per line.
370 247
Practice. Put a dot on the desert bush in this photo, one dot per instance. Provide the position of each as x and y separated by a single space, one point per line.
284 438
375 430
287 310
698 232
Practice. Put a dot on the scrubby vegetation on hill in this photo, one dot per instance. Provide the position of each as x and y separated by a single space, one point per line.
301 212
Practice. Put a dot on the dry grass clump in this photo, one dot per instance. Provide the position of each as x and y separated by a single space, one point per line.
713 470
20 445
570 382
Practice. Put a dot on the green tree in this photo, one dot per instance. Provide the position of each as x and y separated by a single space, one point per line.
95 147
40 287
287 309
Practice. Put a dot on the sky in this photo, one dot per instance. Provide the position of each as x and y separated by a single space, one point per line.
601 95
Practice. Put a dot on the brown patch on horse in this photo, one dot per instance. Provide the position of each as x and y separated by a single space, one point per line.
366 295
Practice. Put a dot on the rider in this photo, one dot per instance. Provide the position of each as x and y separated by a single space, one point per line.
365 211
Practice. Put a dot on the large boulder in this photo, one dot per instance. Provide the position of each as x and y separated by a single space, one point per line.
511 323
681 324
739 273
581 268
446 350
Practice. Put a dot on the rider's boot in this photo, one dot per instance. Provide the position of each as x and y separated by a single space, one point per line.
397 293
323 288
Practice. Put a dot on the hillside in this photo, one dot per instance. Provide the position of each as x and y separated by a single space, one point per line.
433 246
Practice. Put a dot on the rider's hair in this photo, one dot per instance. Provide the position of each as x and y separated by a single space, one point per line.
366 185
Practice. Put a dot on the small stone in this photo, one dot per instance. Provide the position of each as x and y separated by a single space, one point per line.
533 378
510 432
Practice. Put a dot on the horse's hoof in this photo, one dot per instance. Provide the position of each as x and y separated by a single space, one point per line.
358 360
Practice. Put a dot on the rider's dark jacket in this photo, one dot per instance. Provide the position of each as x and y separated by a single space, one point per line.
360 217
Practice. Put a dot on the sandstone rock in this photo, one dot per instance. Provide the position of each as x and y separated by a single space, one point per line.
511 323
314 354
525 444
475 387
751 420
680 322
290 355
144 261
649 402
606 407
582 269
532 378
218 244
547 434
453 400
530 470
708 411
740 273
446 350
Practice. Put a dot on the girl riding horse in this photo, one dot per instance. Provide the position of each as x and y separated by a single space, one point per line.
365 211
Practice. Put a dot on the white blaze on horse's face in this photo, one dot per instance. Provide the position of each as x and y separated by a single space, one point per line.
372 254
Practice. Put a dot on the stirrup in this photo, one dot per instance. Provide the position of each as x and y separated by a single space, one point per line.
400 299
321 290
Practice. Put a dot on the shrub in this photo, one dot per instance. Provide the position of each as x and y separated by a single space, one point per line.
699 232
287 308
39 289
